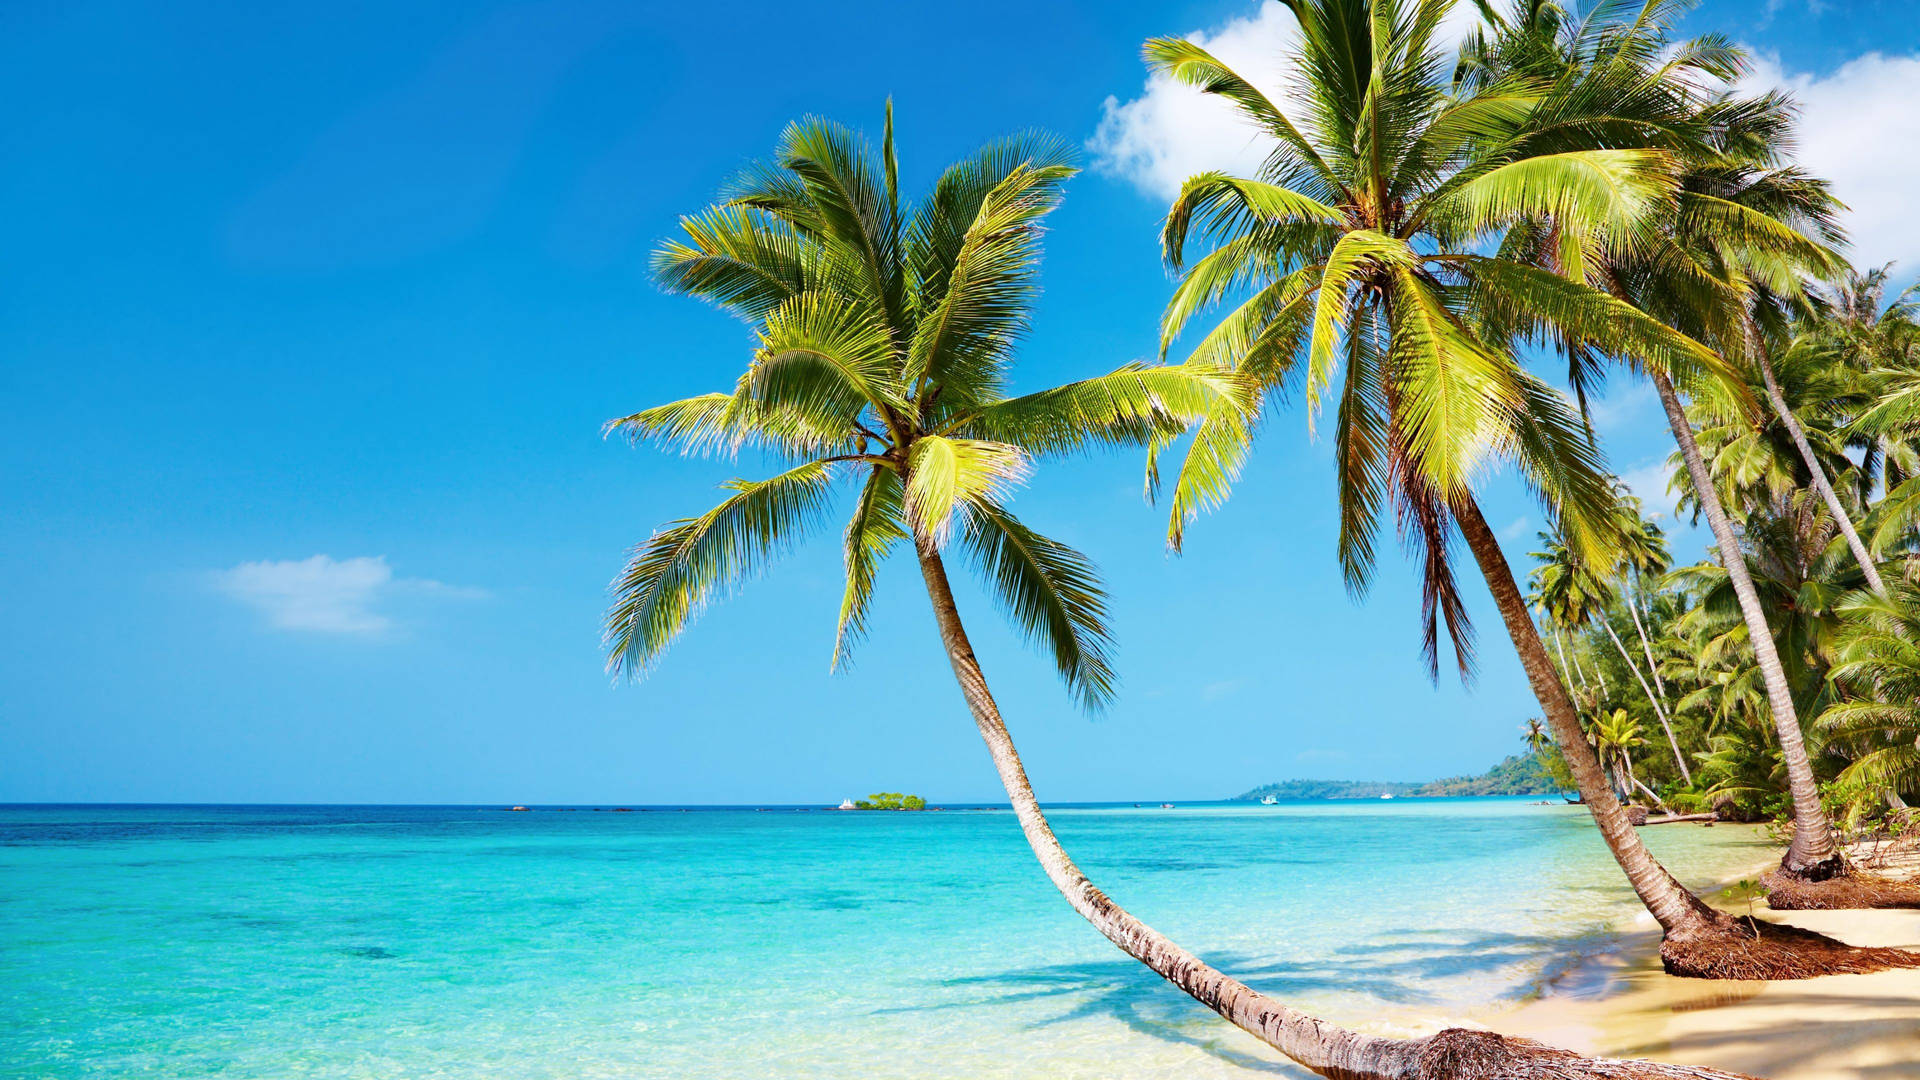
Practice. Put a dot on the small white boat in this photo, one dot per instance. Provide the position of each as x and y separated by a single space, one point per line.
846 804
1268 801
1386 794
1166 806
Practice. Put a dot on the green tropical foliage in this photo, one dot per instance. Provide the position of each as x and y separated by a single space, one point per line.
883 338
890 800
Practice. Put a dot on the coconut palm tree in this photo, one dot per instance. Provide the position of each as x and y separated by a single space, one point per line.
1362 244
1615 735
1536 735
1643 555
1743 229
1575 597
885 335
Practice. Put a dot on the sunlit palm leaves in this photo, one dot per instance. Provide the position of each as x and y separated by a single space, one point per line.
1365 267
884 337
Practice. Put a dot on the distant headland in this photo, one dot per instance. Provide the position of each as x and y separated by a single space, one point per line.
1521 774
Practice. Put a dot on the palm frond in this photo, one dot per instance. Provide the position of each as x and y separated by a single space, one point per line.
877 524
668 578
1051 592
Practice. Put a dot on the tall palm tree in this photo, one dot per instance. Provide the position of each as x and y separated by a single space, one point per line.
1741 225
1363 241
885 337
1615 736
1643 555
1576 596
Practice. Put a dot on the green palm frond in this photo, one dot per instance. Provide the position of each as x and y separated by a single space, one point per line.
1129 407
668 578
1050 592
736 258
962 341
947 474
1187 62
877 524
824 357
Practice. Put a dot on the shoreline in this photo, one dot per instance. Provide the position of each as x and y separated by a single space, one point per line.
1619 1003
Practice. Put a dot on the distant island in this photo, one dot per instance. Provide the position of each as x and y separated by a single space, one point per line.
1521 774
891 800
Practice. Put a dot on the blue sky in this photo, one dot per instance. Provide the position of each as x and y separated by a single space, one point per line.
310 316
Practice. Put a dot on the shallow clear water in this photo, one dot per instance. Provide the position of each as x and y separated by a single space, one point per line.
459 942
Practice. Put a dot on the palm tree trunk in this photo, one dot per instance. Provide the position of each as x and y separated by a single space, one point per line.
1820 482
1811 854
1561 647
1322 1047
1333 1052
1627 760
1646 644
1680 913
1659 709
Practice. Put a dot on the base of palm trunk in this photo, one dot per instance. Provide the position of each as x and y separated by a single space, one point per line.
1833 866
1738 948
1854 890
1462 1054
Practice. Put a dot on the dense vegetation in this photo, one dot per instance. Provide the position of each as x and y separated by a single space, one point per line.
890 800
1651 648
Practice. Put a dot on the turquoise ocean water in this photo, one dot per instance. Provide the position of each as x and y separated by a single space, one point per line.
286 942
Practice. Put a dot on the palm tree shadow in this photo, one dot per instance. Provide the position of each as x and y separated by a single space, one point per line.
1396 972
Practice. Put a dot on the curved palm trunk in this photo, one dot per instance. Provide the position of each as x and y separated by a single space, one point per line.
1812 853
1331 1051
1324 1048
1820 482
1659 708
1681 914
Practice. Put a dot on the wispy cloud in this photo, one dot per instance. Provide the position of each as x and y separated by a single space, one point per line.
1172 131
1858 128
1648 481
327 595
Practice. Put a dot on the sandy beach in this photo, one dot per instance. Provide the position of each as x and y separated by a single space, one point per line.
1845 1027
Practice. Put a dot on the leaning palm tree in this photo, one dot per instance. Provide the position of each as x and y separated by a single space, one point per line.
1615 736
1571 596
1363 241
1741 225
885 335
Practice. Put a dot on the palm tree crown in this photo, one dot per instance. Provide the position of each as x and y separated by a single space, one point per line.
1373 238
885 337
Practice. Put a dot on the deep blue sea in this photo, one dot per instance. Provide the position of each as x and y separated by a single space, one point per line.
467 942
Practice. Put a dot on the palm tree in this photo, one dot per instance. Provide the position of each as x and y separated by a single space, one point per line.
1362 241
1643 555
1536 734
1737 234
885 337
1575 596
1878 663
1615 735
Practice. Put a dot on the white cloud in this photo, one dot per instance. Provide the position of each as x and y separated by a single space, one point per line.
1648 481
324 594
1172 131
1859 128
